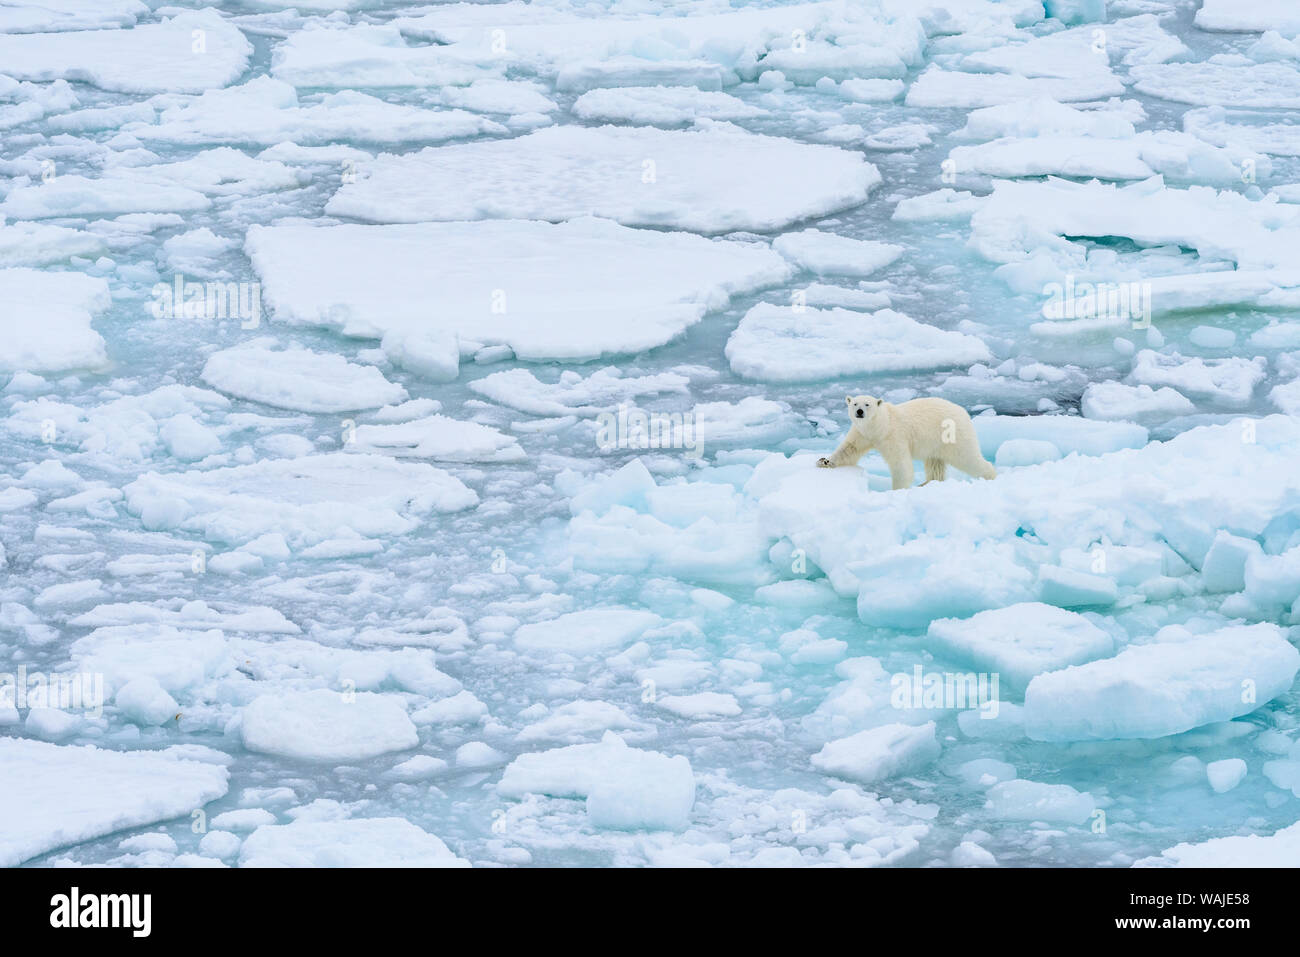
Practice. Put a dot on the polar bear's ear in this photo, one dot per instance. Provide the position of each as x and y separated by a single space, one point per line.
848 399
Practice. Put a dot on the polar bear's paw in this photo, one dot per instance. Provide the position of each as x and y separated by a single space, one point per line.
825 463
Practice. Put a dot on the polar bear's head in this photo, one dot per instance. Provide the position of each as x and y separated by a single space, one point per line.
862 408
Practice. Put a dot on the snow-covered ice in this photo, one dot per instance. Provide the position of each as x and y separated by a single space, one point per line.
1250 15
661 106
585 632
827 254
793 344
188 53
1021 641
538 288
326 726
876 754
60 795
1035 801
438 437
299 379
361 842
48 321
366 56
1246 850
624 787
1163 688
306 500
709 180
42 16
267 112
577 52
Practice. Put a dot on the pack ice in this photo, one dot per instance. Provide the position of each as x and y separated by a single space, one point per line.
495 536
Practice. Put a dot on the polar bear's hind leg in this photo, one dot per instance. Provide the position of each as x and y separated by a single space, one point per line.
973 463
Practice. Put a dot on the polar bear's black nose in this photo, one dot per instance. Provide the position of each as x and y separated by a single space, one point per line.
861 413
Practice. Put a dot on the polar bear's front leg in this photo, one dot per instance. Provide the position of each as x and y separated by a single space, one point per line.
899 461
849 452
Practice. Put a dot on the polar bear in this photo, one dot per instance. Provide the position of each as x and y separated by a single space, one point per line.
937 431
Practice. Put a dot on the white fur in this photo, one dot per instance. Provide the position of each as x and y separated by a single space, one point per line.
936 431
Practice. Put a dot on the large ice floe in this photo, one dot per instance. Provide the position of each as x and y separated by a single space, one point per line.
114 790
47 322
714 179
267 112
188 53
806 40
539 289
409 417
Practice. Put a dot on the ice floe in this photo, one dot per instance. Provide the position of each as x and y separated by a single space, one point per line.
876 754
1248 15
1176 156
184 187
949 88
505 282
1239 83
265 112
48 16
712 180
115 790
574 394
47 321
585 632
809 40
662 106
829 255
306 500
1183 682
192 52
358 842
438 437
801 344
326 726
298 379
1021 640
1244 850
367 56
983 568
624 787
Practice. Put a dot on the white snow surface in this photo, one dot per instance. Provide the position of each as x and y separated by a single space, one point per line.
299 379
710 180
360 842
115 790
47 321
514 283
189 53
